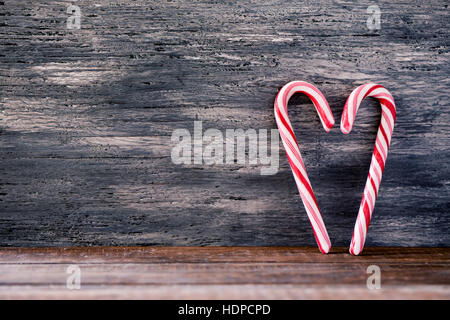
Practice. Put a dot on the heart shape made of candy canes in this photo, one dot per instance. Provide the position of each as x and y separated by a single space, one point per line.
388 115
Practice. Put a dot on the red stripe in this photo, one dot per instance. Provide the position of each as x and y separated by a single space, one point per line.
374 189
286 125
377 156
366 211
383 133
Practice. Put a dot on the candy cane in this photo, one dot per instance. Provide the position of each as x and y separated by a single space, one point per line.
380 152
293 152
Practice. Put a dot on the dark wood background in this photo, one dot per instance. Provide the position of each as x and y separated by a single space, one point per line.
87 115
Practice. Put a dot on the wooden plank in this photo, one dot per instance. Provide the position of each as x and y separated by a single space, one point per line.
223 273
86 118
226 273
219 292
105 255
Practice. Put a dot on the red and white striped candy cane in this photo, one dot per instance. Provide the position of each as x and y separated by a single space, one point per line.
293 152
380 152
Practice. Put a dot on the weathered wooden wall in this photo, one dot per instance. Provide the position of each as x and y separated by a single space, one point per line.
87 115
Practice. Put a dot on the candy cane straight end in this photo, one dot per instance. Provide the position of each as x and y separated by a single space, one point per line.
329 126
353 251
324 242
325 249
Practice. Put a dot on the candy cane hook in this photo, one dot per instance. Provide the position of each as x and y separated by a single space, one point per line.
293 152
380 152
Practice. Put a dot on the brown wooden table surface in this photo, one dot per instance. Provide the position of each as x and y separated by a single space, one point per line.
223 273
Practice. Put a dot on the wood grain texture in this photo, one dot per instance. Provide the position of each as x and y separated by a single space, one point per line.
223 273
87 115
218 292
105 255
